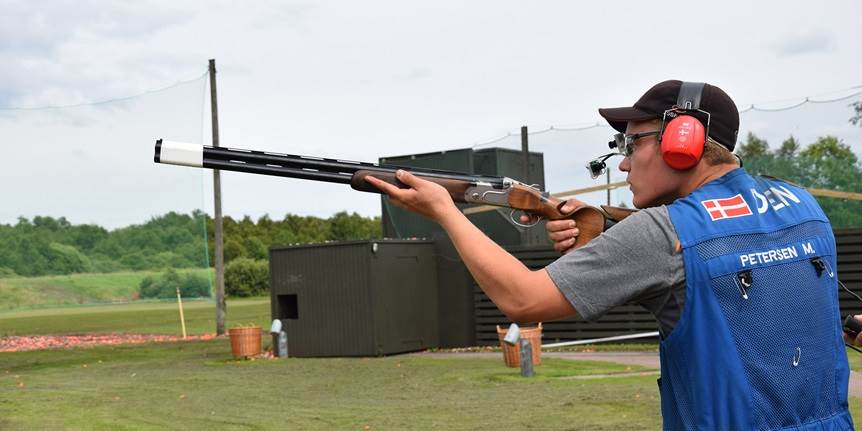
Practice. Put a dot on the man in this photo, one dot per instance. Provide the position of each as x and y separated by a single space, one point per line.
738 270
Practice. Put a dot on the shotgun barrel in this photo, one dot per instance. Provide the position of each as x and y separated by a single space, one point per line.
465 188
289 165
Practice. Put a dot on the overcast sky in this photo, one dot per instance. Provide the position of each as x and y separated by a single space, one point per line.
363 80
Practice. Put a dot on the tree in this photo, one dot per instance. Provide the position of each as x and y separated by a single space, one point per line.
66 259
343 226
246 277
166 285
827 163
788 148
753 147
857 118
47 245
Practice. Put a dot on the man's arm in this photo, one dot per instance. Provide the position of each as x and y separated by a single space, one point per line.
520 293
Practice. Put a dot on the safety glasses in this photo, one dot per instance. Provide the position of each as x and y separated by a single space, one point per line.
625 143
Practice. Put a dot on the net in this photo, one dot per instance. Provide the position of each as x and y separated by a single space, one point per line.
87 217
810 141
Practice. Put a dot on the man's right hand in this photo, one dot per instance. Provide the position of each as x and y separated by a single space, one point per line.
564 232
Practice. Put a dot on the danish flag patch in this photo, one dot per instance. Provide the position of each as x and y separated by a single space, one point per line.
727 208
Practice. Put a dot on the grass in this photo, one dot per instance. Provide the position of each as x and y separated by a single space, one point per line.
144 318
197 385
29 292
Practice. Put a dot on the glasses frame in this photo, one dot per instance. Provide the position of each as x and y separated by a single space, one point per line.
625 143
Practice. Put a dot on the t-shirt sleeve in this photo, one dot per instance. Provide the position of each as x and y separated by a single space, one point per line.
634 259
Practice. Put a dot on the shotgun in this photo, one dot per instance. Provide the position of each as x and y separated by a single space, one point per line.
464 188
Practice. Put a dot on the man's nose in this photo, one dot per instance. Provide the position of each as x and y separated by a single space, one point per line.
624 164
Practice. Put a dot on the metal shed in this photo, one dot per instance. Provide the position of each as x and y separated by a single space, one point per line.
356 298
457 319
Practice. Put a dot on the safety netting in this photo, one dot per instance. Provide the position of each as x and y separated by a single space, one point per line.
815 142
87 217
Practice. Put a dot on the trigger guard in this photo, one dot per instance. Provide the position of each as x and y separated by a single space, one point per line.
515 221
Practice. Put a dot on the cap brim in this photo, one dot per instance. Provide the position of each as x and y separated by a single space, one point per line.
618 117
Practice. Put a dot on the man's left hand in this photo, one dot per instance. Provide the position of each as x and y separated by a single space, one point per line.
423 197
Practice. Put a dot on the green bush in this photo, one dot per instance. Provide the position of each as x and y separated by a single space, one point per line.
165 286
103 264
7 272
246 277
66 259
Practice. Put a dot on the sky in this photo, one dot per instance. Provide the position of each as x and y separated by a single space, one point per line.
364 80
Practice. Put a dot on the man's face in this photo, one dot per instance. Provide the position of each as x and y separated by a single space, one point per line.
651 180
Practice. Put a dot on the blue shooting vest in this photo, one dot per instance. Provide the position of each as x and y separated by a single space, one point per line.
759 343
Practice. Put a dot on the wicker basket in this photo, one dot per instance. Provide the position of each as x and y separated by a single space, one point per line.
245 342
512 354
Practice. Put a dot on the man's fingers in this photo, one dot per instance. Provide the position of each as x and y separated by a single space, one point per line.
571 205
407 178
386 187
567 208
563 235
380 184
564 246
559 225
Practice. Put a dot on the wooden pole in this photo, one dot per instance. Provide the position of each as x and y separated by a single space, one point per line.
609 186
217 221
525 148
182 317
836 194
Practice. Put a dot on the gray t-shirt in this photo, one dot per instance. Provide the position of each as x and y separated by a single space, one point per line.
633 262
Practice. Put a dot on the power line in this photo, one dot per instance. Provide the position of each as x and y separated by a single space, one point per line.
752 107
538 132
101 102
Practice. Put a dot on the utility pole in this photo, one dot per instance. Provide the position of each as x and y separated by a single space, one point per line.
217 221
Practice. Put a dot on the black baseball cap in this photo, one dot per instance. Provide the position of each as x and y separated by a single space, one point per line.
724 116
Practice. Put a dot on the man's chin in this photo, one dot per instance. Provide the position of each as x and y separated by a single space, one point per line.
640 202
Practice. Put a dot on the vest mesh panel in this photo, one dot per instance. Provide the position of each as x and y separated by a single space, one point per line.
795 324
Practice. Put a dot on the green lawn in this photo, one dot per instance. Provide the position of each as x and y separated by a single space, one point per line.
197 385
144 318
28 292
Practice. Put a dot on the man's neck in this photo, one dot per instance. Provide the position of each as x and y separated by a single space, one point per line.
709 173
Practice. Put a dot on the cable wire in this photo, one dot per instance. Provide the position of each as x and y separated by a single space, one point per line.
100 102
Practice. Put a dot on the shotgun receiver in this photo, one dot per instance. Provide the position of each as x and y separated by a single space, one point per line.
465 188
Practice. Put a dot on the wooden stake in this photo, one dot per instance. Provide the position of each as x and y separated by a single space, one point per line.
525 150
182 317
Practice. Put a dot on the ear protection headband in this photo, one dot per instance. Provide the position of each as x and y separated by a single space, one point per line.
683 136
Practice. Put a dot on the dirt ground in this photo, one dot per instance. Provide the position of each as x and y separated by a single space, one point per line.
20 343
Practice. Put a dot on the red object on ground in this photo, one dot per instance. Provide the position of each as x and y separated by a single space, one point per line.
23 343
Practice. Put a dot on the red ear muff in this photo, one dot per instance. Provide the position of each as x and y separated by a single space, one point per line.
682 142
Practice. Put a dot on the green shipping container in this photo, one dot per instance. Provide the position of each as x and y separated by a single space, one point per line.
356 298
